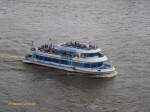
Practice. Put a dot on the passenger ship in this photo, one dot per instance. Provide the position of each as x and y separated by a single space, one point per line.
83 58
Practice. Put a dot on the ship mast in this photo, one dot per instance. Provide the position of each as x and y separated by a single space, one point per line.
33 47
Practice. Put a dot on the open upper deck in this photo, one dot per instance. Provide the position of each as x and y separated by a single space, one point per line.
79 47
72 49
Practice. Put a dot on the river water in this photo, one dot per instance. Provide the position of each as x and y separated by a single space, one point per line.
120 27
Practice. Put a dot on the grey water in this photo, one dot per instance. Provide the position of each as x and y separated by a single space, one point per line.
120 27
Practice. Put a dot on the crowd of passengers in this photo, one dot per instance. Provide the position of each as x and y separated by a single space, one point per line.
47 48
79 45
51 49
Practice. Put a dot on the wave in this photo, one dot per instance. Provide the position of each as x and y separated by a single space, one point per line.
11 57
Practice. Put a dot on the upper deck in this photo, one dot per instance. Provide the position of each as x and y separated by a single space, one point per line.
79 47
76 44
72 49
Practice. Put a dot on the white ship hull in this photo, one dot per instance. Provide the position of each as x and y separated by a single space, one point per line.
111 72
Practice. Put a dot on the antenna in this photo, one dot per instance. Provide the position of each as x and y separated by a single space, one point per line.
32 46
55 40
50 39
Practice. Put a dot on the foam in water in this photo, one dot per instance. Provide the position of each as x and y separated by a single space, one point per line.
11 56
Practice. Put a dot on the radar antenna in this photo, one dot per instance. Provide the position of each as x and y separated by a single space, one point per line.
32 46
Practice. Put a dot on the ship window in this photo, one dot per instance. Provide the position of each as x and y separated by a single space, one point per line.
94 54
64 62
87 65
39 57
55 60
76 64
42 57
100 64
48 59
94 65
81 65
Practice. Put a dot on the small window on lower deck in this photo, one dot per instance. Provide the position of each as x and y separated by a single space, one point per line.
76 64
48 59
98 64
39 57
64 62
87 65
55 60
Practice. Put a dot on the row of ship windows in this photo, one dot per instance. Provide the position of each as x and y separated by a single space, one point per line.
67 62
91 54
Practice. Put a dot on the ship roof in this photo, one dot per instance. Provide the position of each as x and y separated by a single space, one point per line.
77 49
